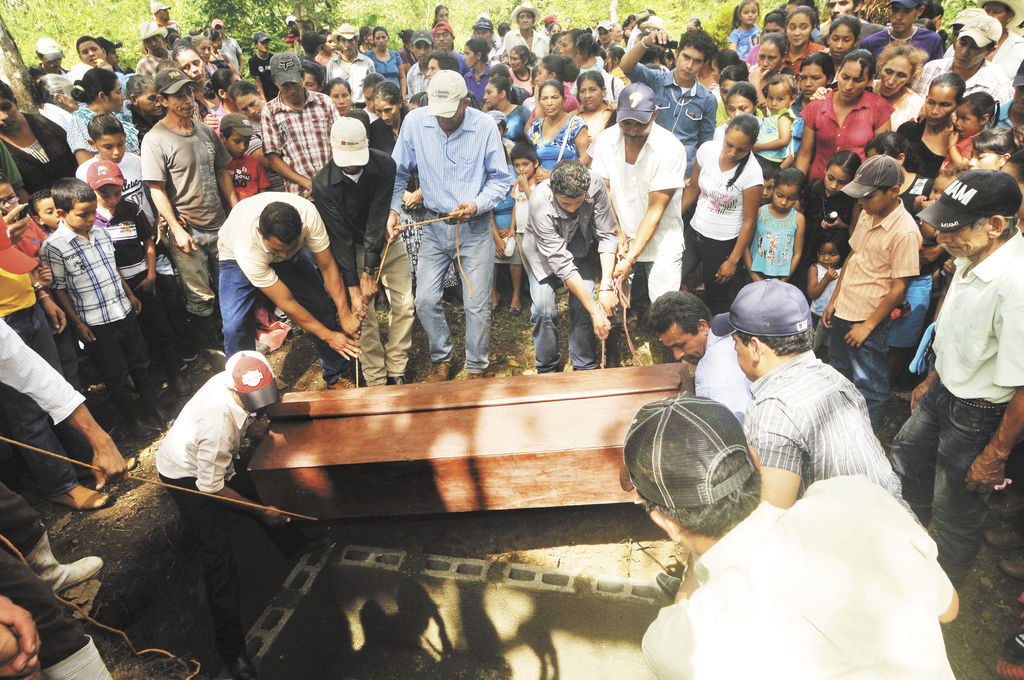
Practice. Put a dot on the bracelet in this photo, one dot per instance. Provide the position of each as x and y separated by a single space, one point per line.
80 324
42 296
605 290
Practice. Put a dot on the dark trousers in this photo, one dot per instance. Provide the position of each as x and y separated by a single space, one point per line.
120 351
711 253
60 635
865 366
932 454
207 523
238 299
27 422
155 323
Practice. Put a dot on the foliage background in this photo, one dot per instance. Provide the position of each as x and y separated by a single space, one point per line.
65 20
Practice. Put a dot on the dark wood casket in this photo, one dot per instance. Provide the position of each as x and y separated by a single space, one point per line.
488 444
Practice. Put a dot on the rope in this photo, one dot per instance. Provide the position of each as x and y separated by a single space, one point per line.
159 483
192 673
624 305
458 254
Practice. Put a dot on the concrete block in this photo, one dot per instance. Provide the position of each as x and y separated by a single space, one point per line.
627 589
537 578
458 568
373 558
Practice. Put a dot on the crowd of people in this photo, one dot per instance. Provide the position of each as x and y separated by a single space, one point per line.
819 216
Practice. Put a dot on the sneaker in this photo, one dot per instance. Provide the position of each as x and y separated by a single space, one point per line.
440 372
1013 567
474 376
396 380
1003 537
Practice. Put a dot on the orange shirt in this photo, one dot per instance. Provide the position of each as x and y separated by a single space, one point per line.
882 251
795 64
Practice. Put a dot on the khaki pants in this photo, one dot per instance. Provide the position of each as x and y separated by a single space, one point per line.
396 277
199 271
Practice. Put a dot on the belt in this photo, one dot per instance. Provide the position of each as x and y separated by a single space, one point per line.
977 403
449 220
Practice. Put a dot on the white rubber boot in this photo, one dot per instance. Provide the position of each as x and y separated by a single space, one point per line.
85 664
60 576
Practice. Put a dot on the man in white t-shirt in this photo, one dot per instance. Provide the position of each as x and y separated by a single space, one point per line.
845 583
261 248
644 167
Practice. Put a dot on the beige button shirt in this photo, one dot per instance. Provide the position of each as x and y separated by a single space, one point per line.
979 330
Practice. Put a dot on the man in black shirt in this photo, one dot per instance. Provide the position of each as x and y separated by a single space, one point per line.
259 66
353 195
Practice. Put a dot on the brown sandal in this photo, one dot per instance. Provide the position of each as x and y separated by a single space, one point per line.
82 498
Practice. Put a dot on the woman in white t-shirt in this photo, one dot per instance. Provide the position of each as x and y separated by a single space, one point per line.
728 195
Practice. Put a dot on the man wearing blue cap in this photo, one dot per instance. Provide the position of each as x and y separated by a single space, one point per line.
644 167
902 29
807 422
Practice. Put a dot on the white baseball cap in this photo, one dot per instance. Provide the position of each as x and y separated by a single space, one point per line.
349 145
289 19
49 48
984 30
155 6
446 90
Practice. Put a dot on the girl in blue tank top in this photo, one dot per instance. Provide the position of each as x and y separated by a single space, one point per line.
778 237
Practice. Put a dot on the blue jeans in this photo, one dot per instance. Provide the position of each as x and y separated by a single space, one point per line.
932 453
238 297
437 251
864 366
28 423
544 317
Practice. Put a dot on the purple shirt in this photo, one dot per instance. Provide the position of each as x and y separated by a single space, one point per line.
476 87
927 41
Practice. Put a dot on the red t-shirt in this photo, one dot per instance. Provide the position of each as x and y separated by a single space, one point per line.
248 176
32 240
858 128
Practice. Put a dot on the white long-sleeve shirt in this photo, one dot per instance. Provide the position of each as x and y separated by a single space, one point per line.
203 442
25 371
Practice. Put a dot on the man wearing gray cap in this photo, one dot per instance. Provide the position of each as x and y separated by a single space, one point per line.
50 56
969 411
296 127
806 421
644 168
463 173
814 591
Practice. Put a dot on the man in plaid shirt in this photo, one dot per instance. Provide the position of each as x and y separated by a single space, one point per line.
296 127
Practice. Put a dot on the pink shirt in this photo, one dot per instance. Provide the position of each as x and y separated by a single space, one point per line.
858 128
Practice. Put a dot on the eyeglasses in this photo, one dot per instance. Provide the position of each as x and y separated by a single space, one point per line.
10 201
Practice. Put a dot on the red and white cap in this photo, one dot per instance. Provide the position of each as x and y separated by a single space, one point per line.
252 379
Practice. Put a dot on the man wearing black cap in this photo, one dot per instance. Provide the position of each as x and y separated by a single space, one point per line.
416 79
814 591
806 422
969 411
259 66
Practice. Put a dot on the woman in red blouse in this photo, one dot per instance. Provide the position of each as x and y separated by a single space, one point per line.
845 119
800 25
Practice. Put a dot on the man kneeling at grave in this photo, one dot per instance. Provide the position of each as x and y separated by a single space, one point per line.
843 584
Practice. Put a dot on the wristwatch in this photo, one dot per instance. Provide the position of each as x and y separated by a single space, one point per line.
372 271
36 286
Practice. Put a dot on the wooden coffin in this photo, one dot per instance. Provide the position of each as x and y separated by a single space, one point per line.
488 444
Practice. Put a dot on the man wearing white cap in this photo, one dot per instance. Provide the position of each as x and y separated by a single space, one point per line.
463 172
353 196
348 64
975 44
525 17
161 18
198 454
50 55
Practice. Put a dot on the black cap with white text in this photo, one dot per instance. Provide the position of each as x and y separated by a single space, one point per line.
973 196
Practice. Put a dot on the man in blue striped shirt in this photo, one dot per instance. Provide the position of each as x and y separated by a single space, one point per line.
463 172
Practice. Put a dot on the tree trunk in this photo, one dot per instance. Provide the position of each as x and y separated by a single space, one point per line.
13 71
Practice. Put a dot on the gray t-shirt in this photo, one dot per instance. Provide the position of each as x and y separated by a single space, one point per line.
187 164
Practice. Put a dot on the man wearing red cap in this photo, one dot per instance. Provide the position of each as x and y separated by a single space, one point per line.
198 453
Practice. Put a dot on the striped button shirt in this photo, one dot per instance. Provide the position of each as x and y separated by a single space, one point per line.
882 252
86 269
808 419
302 138
468 165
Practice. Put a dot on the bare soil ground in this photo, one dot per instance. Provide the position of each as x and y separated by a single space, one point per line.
151 585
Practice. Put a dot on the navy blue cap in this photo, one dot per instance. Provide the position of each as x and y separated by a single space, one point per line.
769 308
909 4
636 102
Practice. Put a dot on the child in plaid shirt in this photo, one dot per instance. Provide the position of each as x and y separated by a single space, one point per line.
99 304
